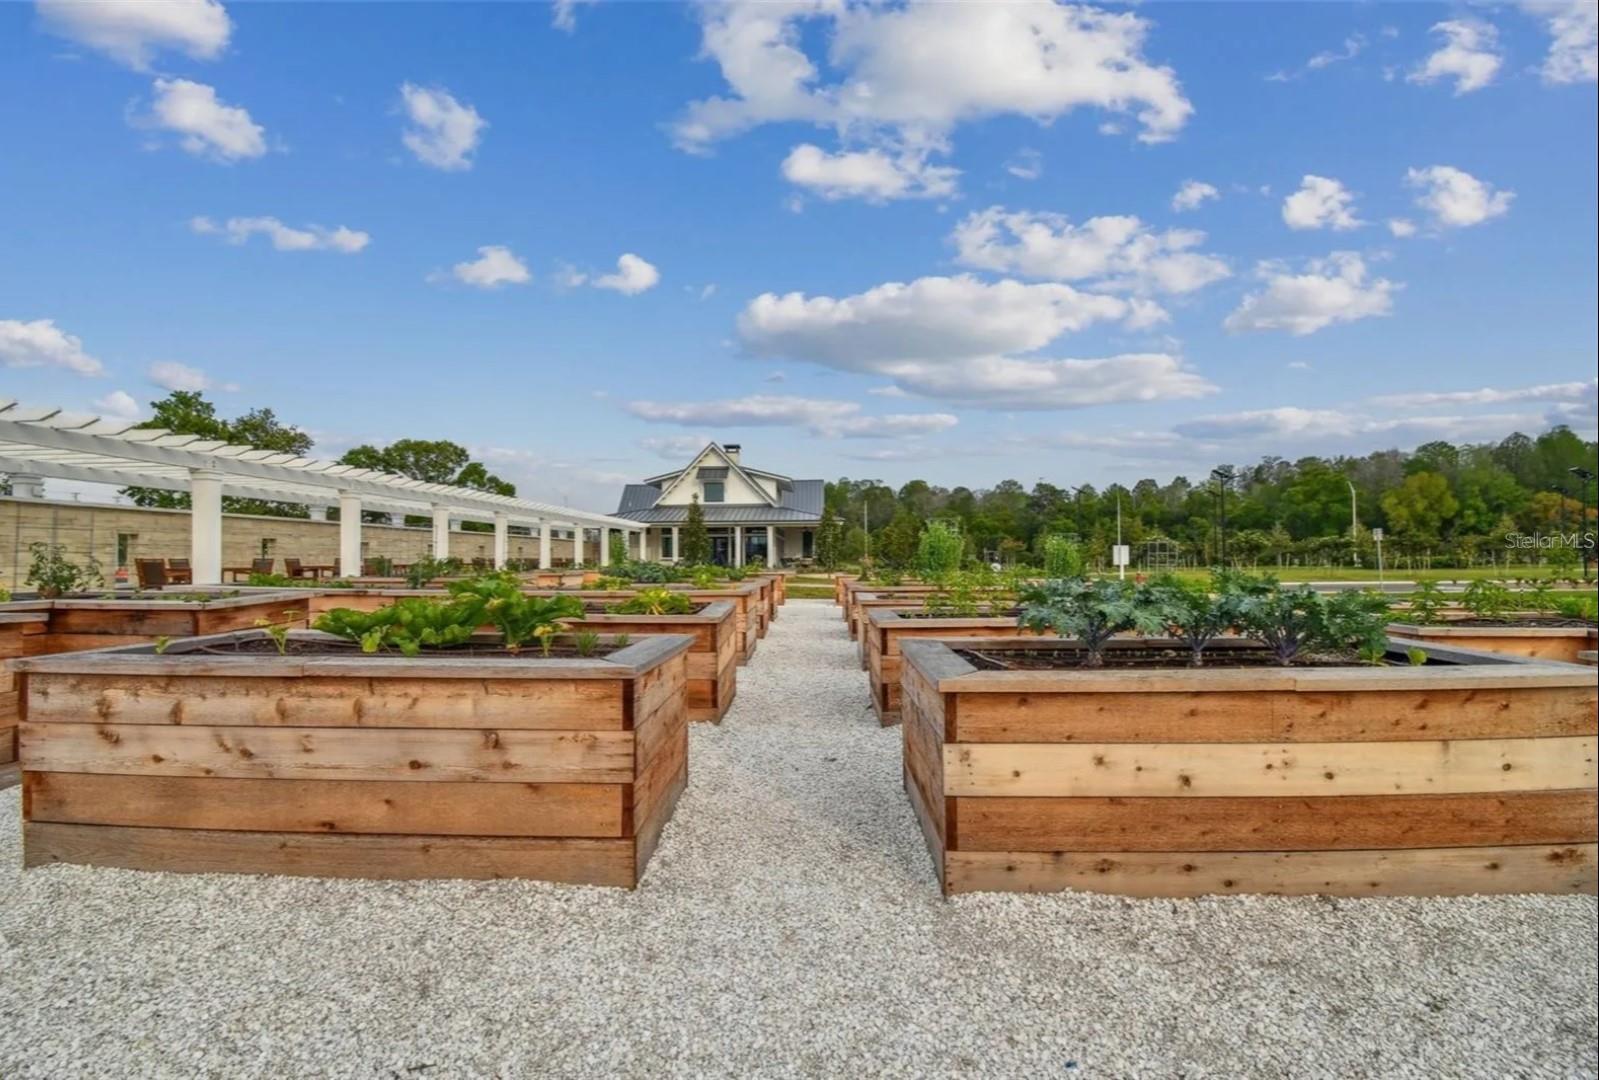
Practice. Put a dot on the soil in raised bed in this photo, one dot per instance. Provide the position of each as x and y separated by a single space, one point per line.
1549 622
480 650
1148 658
606 609
1003 613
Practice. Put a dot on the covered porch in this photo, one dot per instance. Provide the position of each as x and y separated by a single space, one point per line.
755 544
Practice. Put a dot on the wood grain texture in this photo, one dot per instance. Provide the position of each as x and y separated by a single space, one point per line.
410 755
1272 824
1423 872
1199 770
570 861
327 806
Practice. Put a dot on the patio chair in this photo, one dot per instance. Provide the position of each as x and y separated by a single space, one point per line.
293 568
179 572
261 566
152 573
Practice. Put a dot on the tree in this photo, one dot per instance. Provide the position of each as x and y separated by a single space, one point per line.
895 544
187 412
433 461
695 537
829 540
1421 507
617 546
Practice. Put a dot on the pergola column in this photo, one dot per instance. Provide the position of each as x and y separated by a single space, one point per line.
205 526
27 486
544 543
349 534
441 532
771 546
605 545
677 552
502 540
577 544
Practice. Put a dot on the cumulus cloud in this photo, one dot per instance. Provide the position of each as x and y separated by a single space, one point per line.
1455 199
132 33
834 419
1292 425
1573 39
119 405
633 275
205 125
1469 56
171 375
1332 290
442 132
1566 391
1320 203
495 265
41 343
1192 195
1113 253
675 447
874 174
238 230
1401 227
963 340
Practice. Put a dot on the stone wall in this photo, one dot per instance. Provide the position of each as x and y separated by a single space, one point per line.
94 529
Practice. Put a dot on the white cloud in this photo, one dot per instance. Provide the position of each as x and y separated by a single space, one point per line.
119 405
1027 164
1292 425
835 419
1192 194
206 126
889 391
132 33
1567 391
1469 56
957 339
1574 39
41 343
633 276
284 238
563 14
1401 227
875 174
495 265
1112 253
443 132
1352 47
171 375
1455 198
675 447
1320 203
1333 290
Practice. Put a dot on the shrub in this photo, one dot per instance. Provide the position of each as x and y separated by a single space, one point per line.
53 574
938 551
655 602
1063 557
1427 603
1487 599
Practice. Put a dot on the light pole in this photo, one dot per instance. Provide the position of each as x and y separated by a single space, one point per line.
1354 524
1583 476
1223 475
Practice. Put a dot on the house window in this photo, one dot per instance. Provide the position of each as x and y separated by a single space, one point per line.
666 546
715 491
808 544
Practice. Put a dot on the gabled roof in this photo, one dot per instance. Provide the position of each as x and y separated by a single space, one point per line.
673 479
800 504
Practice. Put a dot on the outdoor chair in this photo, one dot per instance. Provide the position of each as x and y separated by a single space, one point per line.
179 572
152 573
261 566
293 568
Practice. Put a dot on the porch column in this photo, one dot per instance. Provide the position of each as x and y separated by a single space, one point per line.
441 532
577 544
677 552
544 543
605 545
349 534
738 545
318 513
771 546
502 540
205 526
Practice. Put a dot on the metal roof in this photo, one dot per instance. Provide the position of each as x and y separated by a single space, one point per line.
800 501
55 443
721 514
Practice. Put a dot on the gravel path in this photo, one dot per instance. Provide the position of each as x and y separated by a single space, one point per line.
789 925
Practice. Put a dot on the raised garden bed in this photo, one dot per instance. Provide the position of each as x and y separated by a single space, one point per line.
1540 637
1473 773
96 621
17 624
222 755
896 596
712 671
888 628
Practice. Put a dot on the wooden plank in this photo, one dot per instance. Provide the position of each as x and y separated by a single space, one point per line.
1423 872
327 806
569 861
1198 770
579 704
923 753
1287 716
663 801
412 755
1269 824
51 644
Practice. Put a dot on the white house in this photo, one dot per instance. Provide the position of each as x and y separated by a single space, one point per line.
755 517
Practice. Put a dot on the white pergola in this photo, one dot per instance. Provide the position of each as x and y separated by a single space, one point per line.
49 442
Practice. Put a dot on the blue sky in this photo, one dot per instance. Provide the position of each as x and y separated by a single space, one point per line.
891 241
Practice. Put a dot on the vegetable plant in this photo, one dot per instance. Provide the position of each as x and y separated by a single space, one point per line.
1578 607
1091 611
1286 621
939 550
655 602
53 574
1427 603
1063 557
407 625
1191 615
1487 599
279 632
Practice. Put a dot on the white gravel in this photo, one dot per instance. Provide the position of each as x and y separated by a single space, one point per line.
789 925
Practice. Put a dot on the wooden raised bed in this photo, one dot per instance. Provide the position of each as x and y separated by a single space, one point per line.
712 657
17 624
897 596
840 583
98 622
357 766
1475 776
887 629
1563 643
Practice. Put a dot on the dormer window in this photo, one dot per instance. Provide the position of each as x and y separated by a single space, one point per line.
715 491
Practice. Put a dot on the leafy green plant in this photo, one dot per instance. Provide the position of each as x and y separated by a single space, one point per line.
605 583
53 574
622 641
421 572
519 618
1487 599
939 551
162 643
1578 607
279 631
1540 598
586 642
655 602
1417 657
380 566
1427 603
705 577
1091 611
5 596
1190 614
1063 557
408 625
1290 622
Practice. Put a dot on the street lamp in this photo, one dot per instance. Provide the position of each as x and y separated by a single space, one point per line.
1354 523
1583 475
1223 475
